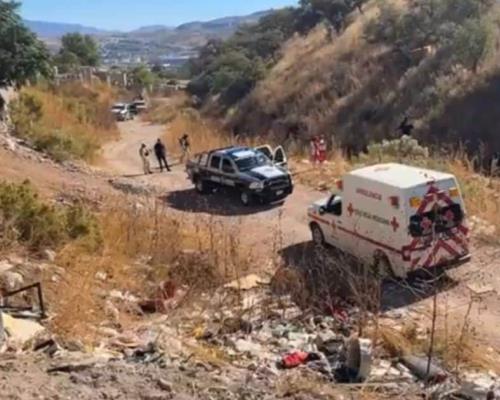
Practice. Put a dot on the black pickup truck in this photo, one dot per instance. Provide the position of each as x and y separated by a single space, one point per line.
246 170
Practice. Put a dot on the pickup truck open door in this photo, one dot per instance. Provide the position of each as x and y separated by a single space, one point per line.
277 155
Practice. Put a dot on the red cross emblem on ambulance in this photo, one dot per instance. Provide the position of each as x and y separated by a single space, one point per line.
395 224
426 224
350 209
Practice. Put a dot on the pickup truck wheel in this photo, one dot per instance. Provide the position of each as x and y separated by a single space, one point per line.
246 198
317 235
201 186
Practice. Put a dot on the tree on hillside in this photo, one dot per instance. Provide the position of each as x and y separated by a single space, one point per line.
78 49
472 43
22 55
457 25
332 12
142 77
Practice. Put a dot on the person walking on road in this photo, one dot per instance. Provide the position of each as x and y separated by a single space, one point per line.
144 154
185 147
161 155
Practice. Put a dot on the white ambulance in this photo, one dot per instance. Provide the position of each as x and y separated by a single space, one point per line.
396 218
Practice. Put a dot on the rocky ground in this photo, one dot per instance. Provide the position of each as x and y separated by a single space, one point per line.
227 343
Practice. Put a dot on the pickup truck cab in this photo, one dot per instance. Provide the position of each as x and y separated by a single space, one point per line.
138 107
396 218
246 170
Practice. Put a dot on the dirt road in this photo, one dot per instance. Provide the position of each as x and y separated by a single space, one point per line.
285 226
259 225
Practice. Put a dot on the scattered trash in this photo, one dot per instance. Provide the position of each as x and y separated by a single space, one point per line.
20 331
248 282
164 385
166 298
234 325
419 365
77 365
297 358
144 355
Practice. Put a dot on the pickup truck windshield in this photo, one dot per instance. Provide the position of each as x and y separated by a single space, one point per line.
248 163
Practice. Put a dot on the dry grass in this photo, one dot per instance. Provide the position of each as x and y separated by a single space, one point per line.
74 120
482 196
164 110
295 383
205 134
143 246
456 343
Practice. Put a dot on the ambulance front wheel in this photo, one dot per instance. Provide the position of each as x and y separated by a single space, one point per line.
317 235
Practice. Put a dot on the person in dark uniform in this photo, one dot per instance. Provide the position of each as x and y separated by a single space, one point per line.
406 128
161 155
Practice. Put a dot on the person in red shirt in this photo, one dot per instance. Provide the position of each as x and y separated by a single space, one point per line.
322 150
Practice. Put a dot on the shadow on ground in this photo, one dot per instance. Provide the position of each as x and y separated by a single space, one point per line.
330 274
223 203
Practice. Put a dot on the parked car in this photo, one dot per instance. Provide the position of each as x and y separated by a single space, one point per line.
248 171
121 111
395 217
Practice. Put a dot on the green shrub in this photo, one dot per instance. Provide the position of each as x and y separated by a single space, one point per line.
396 150
61 147
25 112
26 219
66 122
472 43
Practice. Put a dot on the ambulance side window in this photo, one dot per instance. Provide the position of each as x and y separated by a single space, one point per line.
335 206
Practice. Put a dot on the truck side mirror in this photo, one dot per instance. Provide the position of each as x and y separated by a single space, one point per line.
322 210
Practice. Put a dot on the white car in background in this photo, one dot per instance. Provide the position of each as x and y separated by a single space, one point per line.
121 111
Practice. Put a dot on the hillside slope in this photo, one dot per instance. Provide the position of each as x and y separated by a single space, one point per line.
356 87
47 30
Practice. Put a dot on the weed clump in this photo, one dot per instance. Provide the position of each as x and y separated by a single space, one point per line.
66 122
26 219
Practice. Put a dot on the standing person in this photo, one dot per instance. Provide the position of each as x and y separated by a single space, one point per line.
322 150
405 127
161 155
144 154
185 147
313 150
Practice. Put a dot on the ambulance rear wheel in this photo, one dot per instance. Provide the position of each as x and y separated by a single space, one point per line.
382 267
317 235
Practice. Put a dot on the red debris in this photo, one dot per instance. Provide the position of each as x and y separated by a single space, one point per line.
295 359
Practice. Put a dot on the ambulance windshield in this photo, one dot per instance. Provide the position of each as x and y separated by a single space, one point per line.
436 221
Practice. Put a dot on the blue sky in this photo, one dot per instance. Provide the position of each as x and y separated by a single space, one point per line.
130 14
